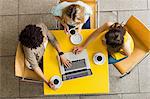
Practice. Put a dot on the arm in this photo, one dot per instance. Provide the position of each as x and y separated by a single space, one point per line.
60 20
96 33
66 28
92 37
55 43
79 27
127 48
51 37
30 57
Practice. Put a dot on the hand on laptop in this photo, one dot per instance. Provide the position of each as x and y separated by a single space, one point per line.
77 49
65 61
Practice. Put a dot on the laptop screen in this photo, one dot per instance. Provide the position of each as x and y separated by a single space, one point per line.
77 64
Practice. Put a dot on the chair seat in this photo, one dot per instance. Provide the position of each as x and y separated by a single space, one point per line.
140 34
138 54
20 69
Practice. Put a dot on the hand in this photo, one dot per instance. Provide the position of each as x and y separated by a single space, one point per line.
66 29
78 29
123 53
51 85
65 61
77 49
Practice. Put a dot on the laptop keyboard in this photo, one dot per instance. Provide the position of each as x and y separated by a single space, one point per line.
83 73
76 65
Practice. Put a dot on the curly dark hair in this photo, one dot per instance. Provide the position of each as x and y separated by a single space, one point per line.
115 37
31 36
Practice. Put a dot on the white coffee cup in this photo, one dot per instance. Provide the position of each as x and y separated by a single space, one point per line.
73 31
99 58
57 81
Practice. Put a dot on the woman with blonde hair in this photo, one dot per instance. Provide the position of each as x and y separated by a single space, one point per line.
72 15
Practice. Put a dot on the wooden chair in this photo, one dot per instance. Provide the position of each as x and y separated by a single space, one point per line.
141 36
93 4
21 70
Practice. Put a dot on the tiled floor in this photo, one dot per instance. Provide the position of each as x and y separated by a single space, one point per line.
15 14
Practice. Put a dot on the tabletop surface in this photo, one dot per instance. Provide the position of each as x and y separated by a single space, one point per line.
97 83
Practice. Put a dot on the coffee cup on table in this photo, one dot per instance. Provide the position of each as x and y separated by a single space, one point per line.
99 58
57 81
72 31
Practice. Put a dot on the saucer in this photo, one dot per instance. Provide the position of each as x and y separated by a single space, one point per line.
57 81
76 39
99 58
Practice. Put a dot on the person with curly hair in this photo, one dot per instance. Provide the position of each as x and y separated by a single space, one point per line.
33 39
118 41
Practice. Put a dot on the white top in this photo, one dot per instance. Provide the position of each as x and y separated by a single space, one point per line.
57 10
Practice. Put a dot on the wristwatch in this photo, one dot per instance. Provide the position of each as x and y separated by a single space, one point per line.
60 53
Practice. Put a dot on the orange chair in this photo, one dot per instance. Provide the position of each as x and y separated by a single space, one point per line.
141 36
93 17
20 69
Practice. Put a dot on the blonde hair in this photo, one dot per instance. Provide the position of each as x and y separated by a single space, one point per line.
74 12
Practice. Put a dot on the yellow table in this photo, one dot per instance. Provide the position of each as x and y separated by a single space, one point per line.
97 83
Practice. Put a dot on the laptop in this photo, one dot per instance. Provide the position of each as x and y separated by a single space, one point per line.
80 66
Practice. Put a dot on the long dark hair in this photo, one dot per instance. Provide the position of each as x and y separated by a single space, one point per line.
115 37
31 36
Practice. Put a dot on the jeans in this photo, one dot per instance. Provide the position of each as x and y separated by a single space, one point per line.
87 24
111 60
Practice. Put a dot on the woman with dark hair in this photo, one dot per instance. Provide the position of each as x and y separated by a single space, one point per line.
117 40
34 39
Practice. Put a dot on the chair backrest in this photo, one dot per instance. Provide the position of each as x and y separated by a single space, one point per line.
93 4
139 30
20 69
141 36
19 62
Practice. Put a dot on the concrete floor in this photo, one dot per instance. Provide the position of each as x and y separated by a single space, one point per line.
15 14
